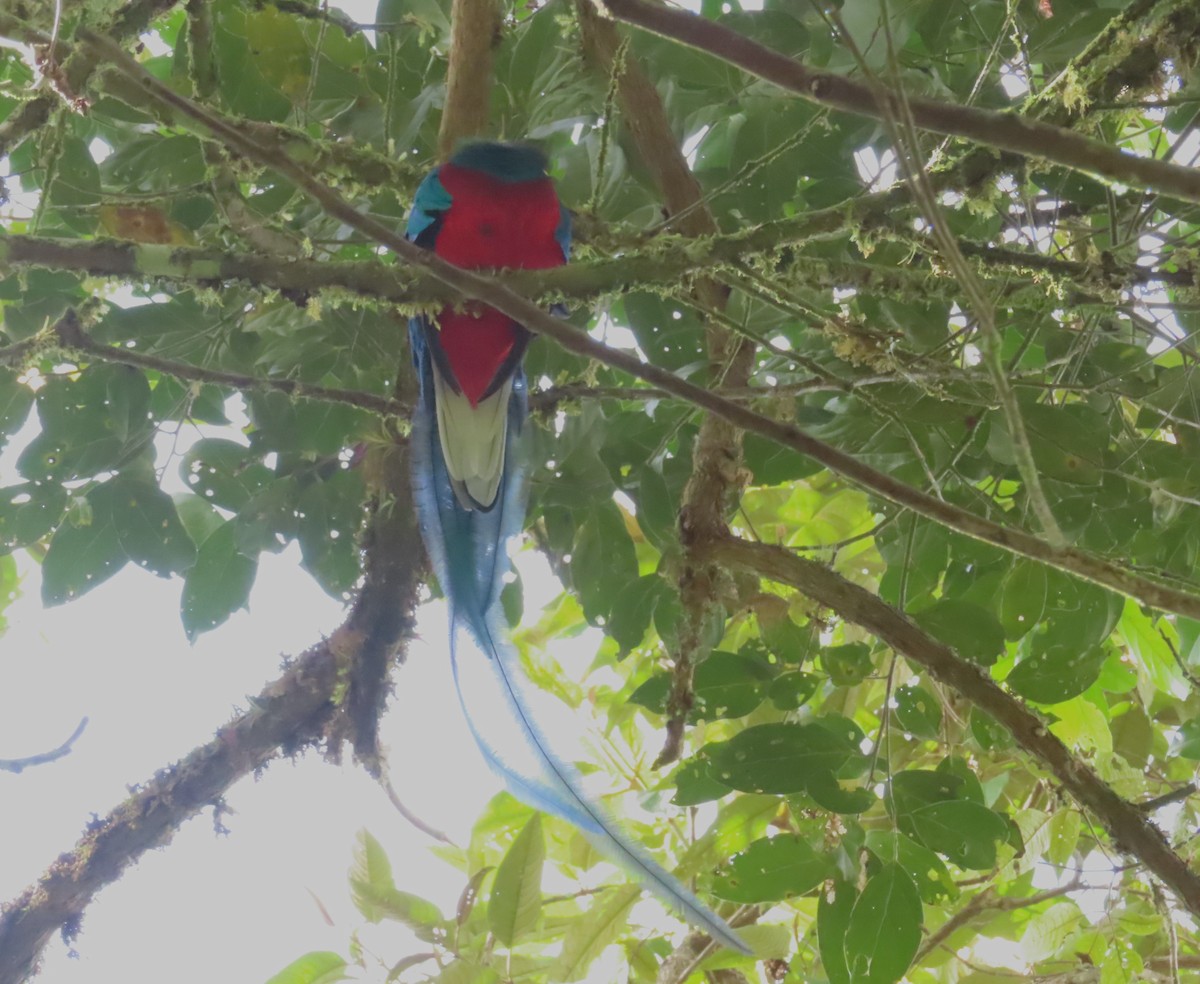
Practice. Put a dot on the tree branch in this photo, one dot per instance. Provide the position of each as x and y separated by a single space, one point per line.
986 901
73 74
1128 826
482 288
70 334
475 29
334 692
331 15
1004 131
667 262
716 463
19 765
288 714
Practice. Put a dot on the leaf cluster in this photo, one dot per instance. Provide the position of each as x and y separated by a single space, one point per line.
878 823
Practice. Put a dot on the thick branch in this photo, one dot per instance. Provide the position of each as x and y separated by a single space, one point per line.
716 463
475 28
288 714
662 263
72 75
1126 823
301 708
1005 131
475 286
70 334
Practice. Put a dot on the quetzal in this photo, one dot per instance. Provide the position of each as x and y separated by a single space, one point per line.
493 206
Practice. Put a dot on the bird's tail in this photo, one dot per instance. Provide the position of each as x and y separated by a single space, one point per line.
467 550
490 688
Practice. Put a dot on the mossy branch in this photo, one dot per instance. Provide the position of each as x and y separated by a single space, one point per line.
478 287
1127 824
1008 132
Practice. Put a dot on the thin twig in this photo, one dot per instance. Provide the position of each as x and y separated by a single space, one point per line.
21 764
478 287
1128 825
1005 131
69 333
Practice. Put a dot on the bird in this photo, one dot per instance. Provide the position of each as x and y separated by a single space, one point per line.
492 205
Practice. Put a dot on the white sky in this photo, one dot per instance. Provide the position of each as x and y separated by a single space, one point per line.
210 907
237 907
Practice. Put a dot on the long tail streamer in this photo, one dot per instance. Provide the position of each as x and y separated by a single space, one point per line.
468 551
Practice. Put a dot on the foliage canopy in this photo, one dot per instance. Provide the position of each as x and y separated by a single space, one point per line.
872 802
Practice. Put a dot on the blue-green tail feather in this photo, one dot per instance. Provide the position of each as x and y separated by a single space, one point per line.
468 551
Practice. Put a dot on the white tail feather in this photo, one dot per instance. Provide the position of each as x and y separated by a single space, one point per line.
473 440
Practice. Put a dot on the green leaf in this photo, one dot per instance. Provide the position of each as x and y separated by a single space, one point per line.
828 793
695 784
726 685
218 584
926 869
633 611
918 712
10 588
28 512
223 472
1133 736
603 560
884 929
928 807
305 426
847 665
788 642
1057 674
318 967
588 935
1065 826
772 464
988 732
92 422
1079 615
971 630
512 600
1187 742
330 516
789 691
964 832
82 555
1023 598
42 296
1068 441
376 895
833 920
198 517
1082 726
1047 932
656 507
466 972
516 899
76 177
772 869
1150 648
16 400
778 758
147 525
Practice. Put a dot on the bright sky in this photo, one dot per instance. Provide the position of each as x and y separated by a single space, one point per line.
237 907
208 907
